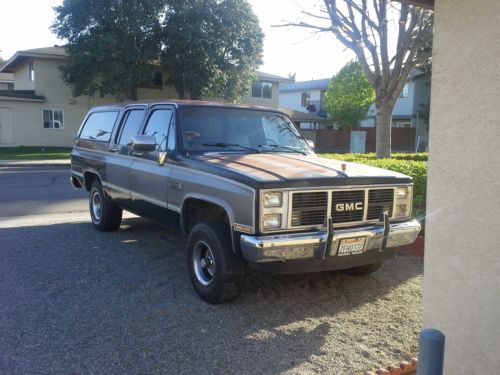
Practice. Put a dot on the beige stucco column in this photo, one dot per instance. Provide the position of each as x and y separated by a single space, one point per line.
462 259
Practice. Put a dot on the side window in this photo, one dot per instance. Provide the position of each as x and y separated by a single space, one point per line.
131 125
99 125
158 125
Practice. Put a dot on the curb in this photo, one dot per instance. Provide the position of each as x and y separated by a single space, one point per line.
35 163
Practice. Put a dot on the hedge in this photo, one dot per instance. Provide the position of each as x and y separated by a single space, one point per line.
413 165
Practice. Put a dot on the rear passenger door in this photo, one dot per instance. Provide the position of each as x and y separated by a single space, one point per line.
149 178
120 159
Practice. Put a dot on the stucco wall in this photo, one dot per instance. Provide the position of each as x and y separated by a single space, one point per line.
28 124
462 254
21 78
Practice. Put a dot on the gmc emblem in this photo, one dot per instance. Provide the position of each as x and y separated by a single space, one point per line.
344 207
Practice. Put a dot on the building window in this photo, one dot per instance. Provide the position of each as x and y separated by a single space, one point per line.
305 99
262 90
53 119
404 92
31 72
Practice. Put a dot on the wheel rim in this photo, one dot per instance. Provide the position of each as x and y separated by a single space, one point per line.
203 263
96 206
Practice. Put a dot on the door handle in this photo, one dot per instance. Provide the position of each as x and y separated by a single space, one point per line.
114 149
135 153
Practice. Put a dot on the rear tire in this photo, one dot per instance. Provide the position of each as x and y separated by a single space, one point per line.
217 274
363 270
105 215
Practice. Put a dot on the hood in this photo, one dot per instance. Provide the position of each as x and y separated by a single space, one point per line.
290 169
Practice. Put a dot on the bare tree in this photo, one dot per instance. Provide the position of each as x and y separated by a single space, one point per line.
364 27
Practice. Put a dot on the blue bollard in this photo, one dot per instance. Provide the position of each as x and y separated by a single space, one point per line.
431 352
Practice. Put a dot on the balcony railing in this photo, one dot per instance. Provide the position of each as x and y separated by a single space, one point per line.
316 107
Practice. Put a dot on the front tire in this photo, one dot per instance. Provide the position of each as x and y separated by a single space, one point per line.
363 270
216 273
104 214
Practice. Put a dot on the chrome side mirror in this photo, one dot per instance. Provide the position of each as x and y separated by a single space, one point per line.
144 143
311 144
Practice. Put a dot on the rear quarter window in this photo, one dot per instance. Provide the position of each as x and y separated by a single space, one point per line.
98 126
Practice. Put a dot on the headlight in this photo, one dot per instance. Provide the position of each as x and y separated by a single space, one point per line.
402 210
273 199
402 192
403 202
272 221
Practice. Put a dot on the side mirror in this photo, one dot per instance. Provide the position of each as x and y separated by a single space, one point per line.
144 143
311 144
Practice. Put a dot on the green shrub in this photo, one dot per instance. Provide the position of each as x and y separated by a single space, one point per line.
413 165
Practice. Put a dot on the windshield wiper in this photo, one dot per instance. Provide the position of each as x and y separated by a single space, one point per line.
229 145
285 148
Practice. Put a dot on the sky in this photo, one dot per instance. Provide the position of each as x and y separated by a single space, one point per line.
287 50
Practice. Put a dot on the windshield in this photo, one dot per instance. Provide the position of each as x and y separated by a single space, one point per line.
242 130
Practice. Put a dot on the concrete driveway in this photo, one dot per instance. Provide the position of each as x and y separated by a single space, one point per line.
74 300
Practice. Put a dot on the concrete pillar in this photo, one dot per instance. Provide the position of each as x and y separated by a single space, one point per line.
462 254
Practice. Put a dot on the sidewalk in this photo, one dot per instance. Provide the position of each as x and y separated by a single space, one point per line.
35 163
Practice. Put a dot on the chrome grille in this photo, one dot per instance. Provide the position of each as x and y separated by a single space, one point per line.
309 208
347 197
379 201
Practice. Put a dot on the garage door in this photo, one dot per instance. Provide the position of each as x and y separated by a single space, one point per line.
6 126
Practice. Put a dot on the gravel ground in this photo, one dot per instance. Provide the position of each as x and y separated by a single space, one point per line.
73 300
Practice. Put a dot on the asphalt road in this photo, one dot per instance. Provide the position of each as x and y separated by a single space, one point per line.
77 301
38 191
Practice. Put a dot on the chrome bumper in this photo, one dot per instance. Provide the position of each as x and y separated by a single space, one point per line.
314 245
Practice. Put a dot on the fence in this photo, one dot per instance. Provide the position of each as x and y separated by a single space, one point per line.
337 140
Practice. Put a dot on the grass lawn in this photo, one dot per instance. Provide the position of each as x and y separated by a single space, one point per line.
34 153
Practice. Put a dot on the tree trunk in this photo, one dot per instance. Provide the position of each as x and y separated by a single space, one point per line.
384 122
134 93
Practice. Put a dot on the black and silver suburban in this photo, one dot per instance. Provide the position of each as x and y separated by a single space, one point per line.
245 188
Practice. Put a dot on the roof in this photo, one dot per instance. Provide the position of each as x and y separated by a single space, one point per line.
20 57
272 77
298 116
316 84
25 95
6 77
55 50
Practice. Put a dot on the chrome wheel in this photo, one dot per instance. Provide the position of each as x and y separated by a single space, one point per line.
203 263
96 206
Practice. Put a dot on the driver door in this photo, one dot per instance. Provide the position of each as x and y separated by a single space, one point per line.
149 176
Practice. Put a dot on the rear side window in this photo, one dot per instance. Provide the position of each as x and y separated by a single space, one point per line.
99 126
131 125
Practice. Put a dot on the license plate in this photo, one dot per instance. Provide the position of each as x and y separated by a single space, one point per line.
350 246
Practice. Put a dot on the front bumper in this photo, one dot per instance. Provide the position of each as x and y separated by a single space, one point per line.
323 245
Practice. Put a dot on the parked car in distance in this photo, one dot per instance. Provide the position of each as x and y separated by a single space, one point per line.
245 188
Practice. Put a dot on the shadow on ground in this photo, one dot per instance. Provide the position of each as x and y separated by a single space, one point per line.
74 300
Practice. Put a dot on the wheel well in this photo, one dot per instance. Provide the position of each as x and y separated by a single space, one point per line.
89 178
195 210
